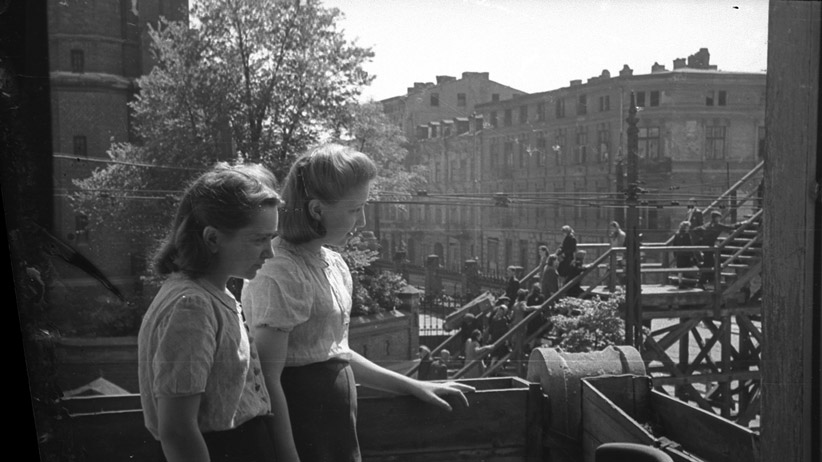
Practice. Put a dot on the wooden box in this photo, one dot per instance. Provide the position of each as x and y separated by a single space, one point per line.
625 408
503 423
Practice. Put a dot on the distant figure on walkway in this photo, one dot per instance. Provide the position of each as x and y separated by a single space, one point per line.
566 251
424 371
512 284
439 366
694 215
473 350
577 267
683 258
549 282
616 236
707 235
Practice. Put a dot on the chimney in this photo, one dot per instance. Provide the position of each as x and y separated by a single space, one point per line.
576 82
657 68
700 60
626 71
445 78
679 63
475 75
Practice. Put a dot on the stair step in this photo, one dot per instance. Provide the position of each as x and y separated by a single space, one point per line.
752 249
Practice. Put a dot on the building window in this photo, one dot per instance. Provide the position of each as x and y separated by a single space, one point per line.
714 142
461 102
722 97
655 98
523 152
508 153
493 117
648 143
540 112
640 99
542 150
493 153
604 103
523 114
478 123
495 97
508 118
434 131
559 146
604 141
80 146
560 108
582 145
582 105
709 98
435 99
78 61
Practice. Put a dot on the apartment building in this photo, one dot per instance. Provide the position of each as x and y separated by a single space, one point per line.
529 164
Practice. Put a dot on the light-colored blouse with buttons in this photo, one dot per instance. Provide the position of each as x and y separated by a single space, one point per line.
193 341
308 295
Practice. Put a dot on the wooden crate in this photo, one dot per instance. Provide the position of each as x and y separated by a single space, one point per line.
625 408
503 423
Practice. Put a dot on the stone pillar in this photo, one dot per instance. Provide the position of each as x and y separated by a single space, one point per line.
433 281
410 301
470 279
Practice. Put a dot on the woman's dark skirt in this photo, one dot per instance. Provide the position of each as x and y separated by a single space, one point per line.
250 442
322 404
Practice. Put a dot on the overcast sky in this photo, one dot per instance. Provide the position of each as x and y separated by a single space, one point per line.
540 45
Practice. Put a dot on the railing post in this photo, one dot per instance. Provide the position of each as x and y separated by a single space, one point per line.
613 271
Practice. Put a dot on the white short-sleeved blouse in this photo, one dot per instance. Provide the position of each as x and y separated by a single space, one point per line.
193 341
308 295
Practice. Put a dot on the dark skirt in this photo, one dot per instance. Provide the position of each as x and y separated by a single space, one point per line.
322 404
250 442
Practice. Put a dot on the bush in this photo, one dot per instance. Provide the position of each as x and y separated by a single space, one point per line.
588 325
374 292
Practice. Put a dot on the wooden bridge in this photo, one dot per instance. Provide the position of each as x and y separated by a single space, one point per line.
704 344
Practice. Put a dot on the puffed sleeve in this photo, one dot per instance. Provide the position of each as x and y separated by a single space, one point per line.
280 296
186 343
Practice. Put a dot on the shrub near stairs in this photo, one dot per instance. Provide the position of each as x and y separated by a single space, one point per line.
588 325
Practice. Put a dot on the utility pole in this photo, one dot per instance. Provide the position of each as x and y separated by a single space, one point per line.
633 280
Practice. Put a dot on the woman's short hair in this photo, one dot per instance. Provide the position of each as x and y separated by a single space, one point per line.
551 259
567 229
615 224
476 334
225 197
685 224
544 248
326 172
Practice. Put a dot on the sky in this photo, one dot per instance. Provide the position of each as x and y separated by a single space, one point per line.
541 45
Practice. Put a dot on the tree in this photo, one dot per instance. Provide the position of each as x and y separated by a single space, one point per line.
250 80
371 132
261 78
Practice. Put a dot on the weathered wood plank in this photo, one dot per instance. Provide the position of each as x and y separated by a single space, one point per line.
704 433
604 422
790 358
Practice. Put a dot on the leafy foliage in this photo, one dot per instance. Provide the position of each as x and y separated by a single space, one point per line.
262 78
588 325
374 291
370 131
